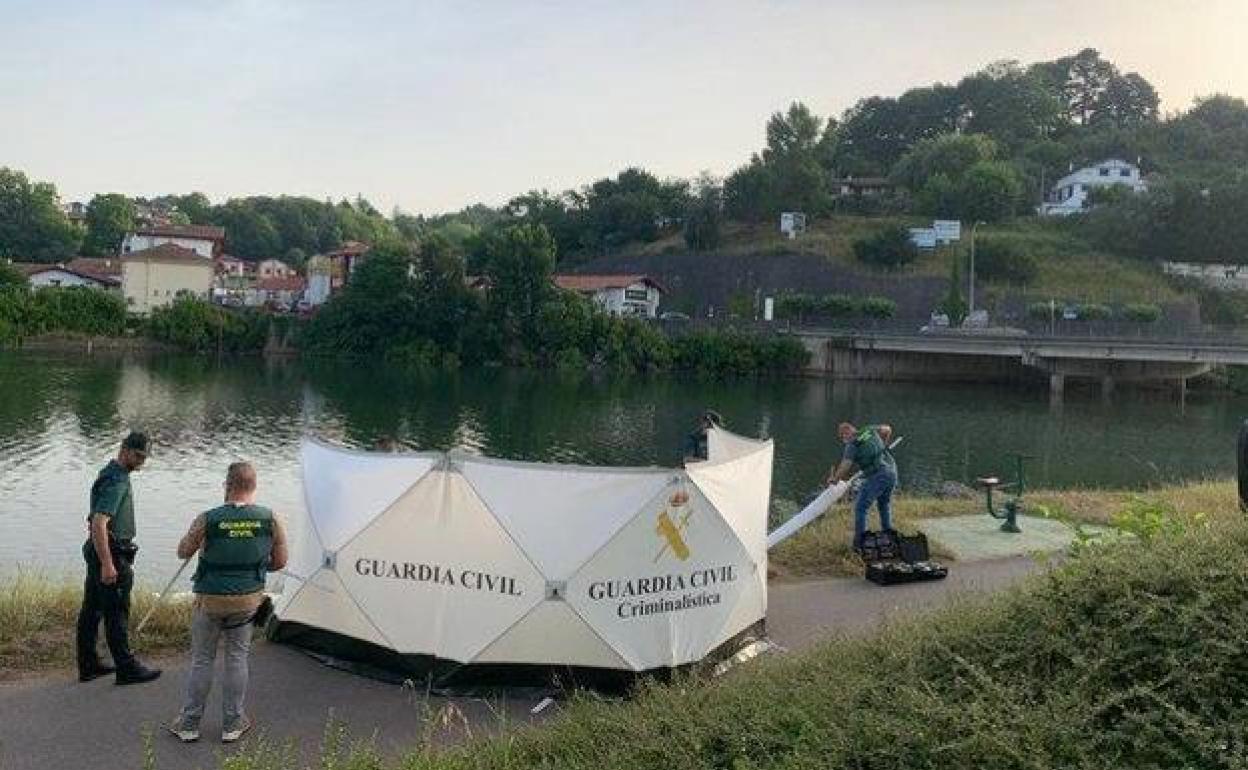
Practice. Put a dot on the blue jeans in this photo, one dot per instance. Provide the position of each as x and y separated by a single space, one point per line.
876 488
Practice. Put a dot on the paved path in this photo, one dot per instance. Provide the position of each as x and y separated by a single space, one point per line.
53 722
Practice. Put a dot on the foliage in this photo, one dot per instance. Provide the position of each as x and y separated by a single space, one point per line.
109 218
1223 308
1094 312
1003 260
12 278
954 304
888 248
32 226
729 352
949 155
195 325
990 191
801 306
1141 312
703 216
75 310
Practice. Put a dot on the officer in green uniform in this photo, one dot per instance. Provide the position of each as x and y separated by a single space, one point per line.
695 446
237 542
867 450
109 553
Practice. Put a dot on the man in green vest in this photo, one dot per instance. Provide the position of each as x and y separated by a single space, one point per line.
867 451
109 553
238 543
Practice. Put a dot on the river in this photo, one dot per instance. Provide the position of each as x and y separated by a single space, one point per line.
61 417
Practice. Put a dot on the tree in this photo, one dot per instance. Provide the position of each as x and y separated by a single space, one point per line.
109 218
748 192
702 217
954 305
32 226
948 154
989 191
12 278
1008 104
519 263
889 248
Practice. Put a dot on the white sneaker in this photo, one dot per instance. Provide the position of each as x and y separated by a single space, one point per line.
238 731
183 734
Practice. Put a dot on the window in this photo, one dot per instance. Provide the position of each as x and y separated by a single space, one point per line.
1124 172
1104 172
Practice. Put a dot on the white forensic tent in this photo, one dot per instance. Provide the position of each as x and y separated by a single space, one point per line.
481 561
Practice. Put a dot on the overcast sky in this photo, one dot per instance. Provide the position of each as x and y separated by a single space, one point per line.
430 106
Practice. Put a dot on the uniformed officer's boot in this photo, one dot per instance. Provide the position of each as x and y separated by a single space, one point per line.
136 673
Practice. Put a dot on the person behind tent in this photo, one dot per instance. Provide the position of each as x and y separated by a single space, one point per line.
110 552
695 447
867 451
237 542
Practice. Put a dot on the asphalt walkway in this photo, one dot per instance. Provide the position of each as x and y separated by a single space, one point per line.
53 722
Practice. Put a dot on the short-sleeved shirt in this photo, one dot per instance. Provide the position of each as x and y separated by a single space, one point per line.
111 496
865 457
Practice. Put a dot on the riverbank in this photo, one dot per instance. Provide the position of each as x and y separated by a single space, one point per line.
37 613
1093 665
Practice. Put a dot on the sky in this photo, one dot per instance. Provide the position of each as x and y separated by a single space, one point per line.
430 106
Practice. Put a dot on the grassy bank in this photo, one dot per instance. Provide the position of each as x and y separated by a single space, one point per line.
37 617
823 548
1129 656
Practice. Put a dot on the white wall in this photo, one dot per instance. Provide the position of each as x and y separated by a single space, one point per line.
1069 195
617 302
132 243
1216 275
147 285
57 277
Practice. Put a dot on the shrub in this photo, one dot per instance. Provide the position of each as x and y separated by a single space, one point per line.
1141 313
1041 311
194 325
1000 260
1094 312
889 248
878 307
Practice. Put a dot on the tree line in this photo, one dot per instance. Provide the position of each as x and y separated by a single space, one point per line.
983 148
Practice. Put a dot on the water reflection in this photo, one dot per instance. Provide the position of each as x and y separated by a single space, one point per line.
60 419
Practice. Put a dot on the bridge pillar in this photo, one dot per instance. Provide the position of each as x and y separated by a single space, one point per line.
1057 385
1107 385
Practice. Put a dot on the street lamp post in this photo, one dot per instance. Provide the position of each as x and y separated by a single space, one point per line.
970 303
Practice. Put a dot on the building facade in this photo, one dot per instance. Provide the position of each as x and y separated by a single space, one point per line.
1070 194
621 295
155 277
208 241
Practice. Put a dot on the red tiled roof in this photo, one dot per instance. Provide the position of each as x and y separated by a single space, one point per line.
293 283
206 232
598 282
31 269
105 267
349 249
169 253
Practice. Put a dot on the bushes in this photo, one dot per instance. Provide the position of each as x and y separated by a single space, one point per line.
889 248
731 352
799 306
195 325
76 310
1140 312
1001 260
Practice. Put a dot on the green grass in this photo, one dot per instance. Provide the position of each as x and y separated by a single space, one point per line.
1130 655
38 615
1070 269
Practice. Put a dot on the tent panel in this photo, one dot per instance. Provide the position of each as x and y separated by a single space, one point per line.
345 490
552 634
438 574
663 589
324 603
561 516
740 489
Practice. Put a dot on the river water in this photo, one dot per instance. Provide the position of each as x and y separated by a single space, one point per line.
61 417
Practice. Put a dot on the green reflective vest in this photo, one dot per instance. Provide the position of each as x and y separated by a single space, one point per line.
869 451
235 556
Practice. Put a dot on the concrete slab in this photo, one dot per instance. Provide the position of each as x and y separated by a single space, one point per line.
979 537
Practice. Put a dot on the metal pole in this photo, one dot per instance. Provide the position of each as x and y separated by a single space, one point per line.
970 304
161 599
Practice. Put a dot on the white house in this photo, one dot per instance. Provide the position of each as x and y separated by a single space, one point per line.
1217 275
83 271
632 295
284 291
208 241
154 277
1070 194
273 268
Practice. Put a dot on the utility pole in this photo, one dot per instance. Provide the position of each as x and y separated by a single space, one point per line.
970 303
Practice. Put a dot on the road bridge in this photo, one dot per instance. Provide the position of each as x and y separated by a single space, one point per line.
989 356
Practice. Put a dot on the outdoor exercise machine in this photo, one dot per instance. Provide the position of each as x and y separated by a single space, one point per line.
1011 506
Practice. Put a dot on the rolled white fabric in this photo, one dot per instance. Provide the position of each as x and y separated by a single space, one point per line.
814 510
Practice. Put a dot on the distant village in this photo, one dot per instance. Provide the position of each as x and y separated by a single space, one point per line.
159 261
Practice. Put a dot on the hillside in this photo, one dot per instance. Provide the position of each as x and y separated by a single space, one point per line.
1068 269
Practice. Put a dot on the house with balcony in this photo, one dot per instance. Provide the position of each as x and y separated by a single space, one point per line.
621 295
208 241
1070 194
